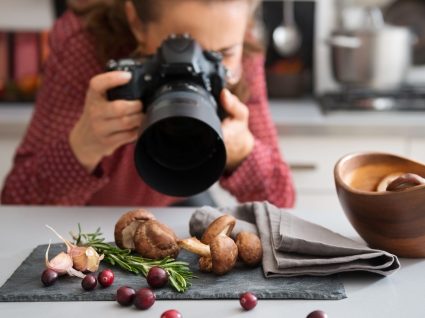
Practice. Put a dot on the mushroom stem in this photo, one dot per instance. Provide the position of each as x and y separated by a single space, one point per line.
219 257
195 246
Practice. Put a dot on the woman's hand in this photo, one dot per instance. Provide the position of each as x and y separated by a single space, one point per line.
104 125
238 139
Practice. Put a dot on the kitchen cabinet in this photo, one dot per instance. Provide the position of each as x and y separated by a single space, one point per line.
417 149
312 160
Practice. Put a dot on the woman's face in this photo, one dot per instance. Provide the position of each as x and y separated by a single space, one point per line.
216 25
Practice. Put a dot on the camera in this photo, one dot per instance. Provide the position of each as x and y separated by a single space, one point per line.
180 149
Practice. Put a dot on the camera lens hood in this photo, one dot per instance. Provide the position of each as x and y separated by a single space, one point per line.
180 151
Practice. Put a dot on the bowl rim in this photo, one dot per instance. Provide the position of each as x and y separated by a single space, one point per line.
350 155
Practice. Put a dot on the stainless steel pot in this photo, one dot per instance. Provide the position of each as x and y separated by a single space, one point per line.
376 57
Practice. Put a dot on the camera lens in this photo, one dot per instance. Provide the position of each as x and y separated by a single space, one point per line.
180 151
181 143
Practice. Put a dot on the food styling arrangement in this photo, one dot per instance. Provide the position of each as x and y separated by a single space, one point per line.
146 247
248 252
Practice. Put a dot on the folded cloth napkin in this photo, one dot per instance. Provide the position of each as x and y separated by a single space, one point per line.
293 246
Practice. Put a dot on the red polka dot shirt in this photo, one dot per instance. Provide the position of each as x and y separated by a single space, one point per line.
45 170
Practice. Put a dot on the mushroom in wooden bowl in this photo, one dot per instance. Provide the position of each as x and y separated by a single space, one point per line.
383 197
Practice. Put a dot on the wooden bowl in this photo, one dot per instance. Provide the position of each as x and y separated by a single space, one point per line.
392 221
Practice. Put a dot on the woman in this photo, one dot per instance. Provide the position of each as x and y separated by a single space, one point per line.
78 148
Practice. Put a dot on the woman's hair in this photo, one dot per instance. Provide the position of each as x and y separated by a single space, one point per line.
107 23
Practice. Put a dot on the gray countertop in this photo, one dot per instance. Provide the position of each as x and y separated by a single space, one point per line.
292 117
22 228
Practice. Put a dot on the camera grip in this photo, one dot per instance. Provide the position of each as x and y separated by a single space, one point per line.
129 91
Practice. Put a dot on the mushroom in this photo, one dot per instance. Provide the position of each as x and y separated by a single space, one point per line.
250 251
155 240
127 224
222 225
385 181
219 257
405 181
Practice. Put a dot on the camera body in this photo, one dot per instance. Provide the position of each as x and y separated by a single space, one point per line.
179 59
180 149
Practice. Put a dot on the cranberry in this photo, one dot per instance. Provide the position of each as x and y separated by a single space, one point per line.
157 277
49 277
144 298
89 282
317 314
248 300
106 278
125 295
172 313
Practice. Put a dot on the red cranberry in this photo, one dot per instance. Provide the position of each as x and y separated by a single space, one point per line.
172 313
106 278
89 282
125 295
248 301
144 298
157 277
317 314
49 277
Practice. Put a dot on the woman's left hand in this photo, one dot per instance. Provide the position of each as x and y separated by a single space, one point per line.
238 139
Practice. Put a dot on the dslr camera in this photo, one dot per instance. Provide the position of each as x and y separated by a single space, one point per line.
180 149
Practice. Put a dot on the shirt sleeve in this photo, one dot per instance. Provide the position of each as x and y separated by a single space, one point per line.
263 175
45 170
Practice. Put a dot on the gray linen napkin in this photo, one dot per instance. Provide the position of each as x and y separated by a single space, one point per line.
293 246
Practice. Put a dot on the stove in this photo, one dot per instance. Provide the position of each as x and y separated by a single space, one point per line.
403 99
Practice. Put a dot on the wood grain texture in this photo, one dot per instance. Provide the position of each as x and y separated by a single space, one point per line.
392 221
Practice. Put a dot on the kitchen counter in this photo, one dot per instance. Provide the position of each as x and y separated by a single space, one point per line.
304 117
292 117
22 228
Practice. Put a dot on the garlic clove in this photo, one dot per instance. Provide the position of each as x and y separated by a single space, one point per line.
61 264
86 259
79 258
93 259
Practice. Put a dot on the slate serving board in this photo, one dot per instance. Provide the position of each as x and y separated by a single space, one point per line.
25 284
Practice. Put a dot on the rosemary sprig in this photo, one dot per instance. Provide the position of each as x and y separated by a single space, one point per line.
179 273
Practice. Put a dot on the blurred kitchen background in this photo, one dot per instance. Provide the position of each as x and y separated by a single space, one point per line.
342 76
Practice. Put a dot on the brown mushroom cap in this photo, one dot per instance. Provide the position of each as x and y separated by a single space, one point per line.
249 246
155 240
222 225
224 254
127 224
405 181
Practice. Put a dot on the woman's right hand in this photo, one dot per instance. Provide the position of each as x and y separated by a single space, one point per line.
105 125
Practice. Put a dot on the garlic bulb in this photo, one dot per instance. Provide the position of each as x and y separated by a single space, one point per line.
83 258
